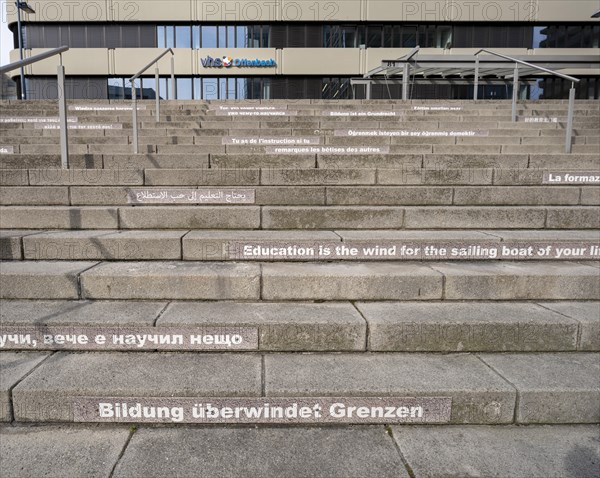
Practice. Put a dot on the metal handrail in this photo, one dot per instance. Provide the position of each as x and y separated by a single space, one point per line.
531 65
517 62
141 72
33 59
62 101
157 84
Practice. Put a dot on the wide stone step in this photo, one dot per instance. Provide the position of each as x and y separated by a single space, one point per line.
300 281
91 195
454 389
257 245
247 216
352 452
132 326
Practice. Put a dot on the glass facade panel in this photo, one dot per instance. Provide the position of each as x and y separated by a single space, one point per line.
183 37
209 37
184 89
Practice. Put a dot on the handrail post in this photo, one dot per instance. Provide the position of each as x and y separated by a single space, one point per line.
476 86
405 74
515 92
569 142
62 113
135 124
172 77
157 90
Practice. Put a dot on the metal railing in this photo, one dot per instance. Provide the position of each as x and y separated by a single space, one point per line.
405 72
62 99
157 89
517 62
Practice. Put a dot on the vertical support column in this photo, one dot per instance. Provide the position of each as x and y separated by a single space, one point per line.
62 113
405 74
368 88
172 77
135 120
157 90
476 86
569 140
515 93
20 40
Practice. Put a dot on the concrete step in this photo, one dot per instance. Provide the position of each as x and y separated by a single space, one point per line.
351 452
300 281
257 245
299 217
547 388
303 327
89 195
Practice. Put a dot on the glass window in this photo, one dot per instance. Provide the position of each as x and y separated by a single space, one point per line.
184 88
374 36
148 88
129 86
161 41
169 37
266 89
210 89
242 88
231 37
195 37
387 36
255 42
130 36
241 37
409 36
266 30
349 37
197 88
222 43
115 88
183 37
209 37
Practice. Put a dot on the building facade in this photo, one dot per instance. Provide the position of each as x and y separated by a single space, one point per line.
275 49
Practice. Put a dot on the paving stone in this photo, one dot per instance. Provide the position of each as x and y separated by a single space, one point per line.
11 243
185 217
59 217
79 313
34 196
235 161
172 280
389 196
498 452
14 177
107 245
221 245
354 281
476 161
466 327
478 394
588 316
334 177
516 196
552 388
298 195
475 218
519 281
590 196
370 161
573 218
351 452
41 280
383 217
202 177
440 176
13 368
60 451
565 161
85 177
47 394
282 327
155 161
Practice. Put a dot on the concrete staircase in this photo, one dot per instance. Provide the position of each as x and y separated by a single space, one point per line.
415 286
